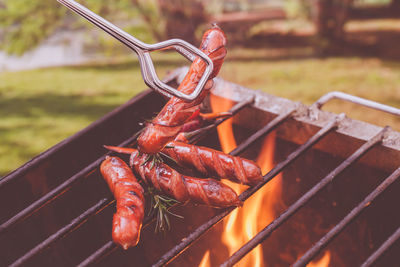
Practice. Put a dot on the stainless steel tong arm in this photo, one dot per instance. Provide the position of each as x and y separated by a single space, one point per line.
142 50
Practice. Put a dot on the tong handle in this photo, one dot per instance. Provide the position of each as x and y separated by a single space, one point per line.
142 50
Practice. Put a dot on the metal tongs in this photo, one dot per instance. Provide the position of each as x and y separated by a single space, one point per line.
143 51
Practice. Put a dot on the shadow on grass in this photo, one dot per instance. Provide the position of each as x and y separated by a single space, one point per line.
54 105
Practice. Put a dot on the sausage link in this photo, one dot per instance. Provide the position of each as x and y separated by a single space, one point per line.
184 188
127 220
214 163
176 112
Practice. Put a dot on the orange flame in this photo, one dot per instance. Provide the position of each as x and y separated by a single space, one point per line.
323 262
259 210
225 130
241 225
205 262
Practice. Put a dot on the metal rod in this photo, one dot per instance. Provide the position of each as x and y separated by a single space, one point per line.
263 234
323 242
382 249
60 233
357 100
110 246
107 248
266 129
56 192
179 248
235 109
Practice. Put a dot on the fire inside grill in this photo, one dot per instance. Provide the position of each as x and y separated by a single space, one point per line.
322 202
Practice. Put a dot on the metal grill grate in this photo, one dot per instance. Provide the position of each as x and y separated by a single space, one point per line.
170 255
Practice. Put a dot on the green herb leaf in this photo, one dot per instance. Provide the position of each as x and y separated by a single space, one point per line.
168 157
160 206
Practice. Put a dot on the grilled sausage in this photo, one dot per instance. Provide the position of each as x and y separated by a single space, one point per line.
127 221
176 112
213 163
183 188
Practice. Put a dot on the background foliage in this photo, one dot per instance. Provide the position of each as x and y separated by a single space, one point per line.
25 23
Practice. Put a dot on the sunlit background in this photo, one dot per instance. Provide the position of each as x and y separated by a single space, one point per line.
58 73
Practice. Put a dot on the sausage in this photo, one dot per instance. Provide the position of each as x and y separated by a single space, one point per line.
183 188
168 123
213 163
129 194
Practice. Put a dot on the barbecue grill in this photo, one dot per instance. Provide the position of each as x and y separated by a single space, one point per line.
57 210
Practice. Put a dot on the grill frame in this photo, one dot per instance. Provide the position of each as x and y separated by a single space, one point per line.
321 123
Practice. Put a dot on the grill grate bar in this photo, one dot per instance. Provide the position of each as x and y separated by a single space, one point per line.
263 234
179 248
323 242
263 131
110 245
106 249
235 109
63 231
382 249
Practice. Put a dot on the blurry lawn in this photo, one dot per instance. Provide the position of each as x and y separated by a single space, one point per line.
40 108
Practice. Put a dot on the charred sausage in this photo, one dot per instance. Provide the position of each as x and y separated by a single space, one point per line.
176 112
214 163
183 188
127 221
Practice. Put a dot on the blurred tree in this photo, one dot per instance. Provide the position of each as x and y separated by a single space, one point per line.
150 14
182 18
330 16
25 23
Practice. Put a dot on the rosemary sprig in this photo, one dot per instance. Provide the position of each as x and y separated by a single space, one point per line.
148 158
159 205
153 159
160 208
168 157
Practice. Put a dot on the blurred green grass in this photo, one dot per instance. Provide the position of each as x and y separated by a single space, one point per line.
40 108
